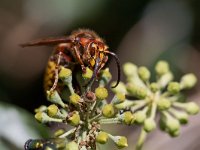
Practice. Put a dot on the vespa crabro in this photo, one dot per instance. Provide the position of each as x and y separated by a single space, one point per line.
83 47
45 144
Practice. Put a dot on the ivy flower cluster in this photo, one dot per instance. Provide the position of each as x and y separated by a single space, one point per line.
164 96
84 111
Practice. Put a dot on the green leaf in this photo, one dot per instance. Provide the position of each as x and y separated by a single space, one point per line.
17 126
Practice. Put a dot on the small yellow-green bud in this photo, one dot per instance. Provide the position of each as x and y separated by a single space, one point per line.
173 87
141 93
175 133
71 146
87 74
101 93
120 141
188 81
74 99
42 108
64 73
74 120
161 67
54 97
105 77
102 137
119 98
140 116
192 108
128 118
163 104
129 69
121 88
172 124
136 91
39 116
52 110
59 132
108 110
42 117
154 87
149 124
144 73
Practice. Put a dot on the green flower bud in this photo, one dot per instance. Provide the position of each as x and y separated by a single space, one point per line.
175 133
163 104
121 88
118 98
149 124
192 108
71 146
154 87
136 91
172 124
39 116
74 120
120 141
65 75
162 67
188 81
88 74
173 87
105 77
129 69
102 137
108 110
42 117
42 108
74 99
144 73
52 110
128 118
140 116
101 93
55 98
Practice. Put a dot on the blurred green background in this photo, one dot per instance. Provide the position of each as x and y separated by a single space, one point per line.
140 31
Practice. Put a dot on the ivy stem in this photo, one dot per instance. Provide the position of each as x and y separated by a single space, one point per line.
141 139
153 110
109 121
70 88
136 107
180 105
95 117
94 106
129 103
67 133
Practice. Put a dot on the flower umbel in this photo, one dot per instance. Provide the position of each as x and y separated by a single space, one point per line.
161 96
135 102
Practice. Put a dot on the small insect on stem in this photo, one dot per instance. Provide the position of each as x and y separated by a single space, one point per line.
82 47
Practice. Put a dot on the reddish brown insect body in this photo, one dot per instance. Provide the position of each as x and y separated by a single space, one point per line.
82 47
